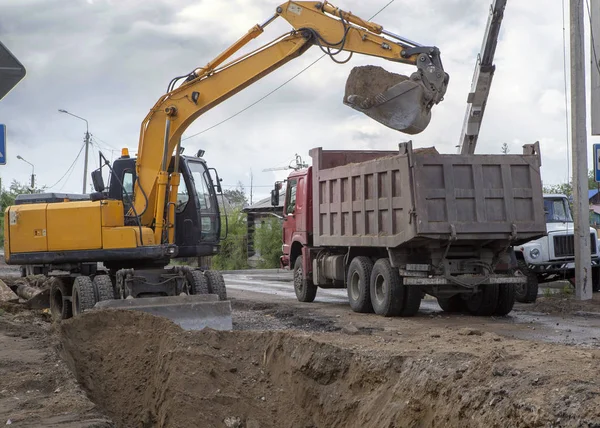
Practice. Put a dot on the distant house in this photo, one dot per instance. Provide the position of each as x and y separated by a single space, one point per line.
257 214
594 198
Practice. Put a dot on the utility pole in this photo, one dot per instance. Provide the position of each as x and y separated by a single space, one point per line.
85 165
251 186
87 146
583 271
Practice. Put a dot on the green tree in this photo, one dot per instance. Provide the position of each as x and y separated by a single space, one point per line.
567 188
236 196
505 149
233 254
267 241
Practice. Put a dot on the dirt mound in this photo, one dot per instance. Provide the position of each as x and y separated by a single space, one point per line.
565 305
369 81
145 372
36 388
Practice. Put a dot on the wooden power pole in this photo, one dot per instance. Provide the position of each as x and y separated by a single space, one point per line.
581 203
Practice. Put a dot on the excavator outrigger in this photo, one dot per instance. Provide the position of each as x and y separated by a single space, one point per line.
149 215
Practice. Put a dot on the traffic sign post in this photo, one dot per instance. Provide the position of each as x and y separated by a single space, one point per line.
596 157
2 144
11 71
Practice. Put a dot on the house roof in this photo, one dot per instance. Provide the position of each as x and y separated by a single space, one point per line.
592 193
264 205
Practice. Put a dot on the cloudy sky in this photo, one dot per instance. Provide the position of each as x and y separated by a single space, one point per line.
110 60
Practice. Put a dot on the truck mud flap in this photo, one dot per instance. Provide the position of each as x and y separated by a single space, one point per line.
190 312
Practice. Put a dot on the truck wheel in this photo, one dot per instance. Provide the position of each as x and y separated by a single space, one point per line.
358 284
595 279
506 299
216 283
526 293
452 304
412 300
198 282
83 297
60 309
387 292
104 288
485 302
305 290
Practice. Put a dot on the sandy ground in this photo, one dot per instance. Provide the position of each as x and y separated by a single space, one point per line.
289 364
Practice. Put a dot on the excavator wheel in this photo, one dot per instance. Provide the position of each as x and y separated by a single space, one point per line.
216 283
198 282
83 296
104 287
60 309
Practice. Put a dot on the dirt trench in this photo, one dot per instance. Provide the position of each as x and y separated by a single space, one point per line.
143 371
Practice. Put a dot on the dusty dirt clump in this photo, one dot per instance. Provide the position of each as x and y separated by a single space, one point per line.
369 81
145 372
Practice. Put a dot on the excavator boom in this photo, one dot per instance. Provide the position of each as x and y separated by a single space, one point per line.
405 106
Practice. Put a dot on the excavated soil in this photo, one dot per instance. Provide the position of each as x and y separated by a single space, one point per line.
144 371
369 81
36 388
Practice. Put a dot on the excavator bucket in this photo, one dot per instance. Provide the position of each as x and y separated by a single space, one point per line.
190 312
394 100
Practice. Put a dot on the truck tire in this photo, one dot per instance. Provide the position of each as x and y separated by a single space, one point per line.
526 293
60 309
412 300
358 284
216 283
452 304
83 297
485 302
387 291
104 288
198 282
506 299
596 279
305 290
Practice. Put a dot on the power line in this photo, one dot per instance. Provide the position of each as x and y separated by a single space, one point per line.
277 88
69 169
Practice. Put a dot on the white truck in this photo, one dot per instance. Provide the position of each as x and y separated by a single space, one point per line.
552 257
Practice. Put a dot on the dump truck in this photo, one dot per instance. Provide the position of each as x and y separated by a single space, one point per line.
113 248
394 226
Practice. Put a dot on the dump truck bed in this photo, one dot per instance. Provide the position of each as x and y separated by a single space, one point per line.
388 199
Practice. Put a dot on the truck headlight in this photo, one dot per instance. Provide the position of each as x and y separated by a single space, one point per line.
534 253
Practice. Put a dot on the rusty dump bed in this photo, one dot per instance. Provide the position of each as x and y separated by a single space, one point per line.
389 199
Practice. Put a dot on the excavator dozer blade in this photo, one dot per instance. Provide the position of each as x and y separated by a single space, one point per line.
394 100
189 312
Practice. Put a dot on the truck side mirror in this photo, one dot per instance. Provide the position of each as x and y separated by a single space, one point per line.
98 181
275 195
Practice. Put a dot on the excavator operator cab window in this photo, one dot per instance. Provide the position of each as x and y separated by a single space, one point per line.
127 190
290 203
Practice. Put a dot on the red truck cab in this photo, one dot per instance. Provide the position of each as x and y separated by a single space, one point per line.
297 216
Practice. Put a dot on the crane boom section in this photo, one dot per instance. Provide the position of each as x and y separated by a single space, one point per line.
313 23
482 80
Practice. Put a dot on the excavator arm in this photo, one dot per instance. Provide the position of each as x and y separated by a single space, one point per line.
405 106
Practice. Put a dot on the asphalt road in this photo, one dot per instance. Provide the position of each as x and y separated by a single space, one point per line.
276 287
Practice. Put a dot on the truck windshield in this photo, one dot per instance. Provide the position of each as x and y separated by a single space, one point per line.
557 211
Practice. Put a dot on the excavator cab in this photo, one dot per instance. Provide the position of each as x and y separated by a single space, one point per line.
197 218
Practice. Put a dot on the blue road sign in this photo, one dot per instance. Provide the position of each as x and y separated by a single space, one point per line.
2 144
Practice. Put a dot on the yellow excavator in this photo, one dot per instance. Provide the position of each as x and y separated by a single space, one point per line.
113 248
